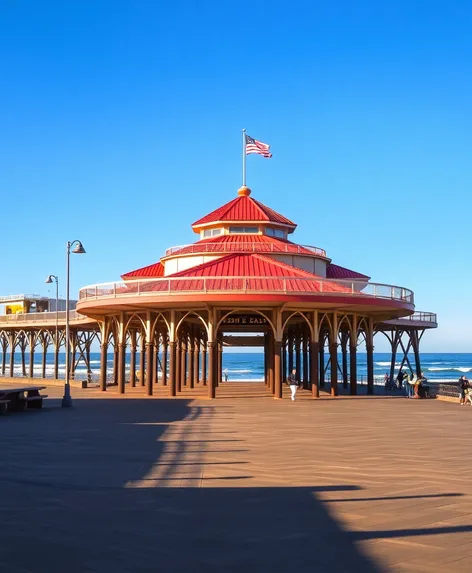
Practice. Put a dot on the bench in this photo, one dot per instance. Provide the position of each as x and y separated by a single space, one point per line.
3 405
19 399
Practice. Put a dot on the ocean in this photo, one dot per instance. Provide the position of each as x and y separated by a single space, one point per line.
437 367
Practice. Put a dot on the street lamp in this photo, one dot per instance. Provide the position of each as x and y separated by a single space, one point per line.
77 250
49 280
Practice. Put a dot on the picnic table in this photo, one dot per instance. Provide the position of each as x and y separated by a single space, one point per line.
18 399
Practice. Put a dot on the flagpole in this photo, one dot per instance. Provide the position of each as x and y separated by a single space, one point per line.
244 158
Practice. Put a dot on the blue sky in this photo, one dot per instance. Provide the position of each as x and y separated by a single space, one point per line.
121 125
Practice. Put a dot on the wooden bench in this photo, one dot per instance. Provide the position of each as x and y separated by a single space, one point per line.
19 399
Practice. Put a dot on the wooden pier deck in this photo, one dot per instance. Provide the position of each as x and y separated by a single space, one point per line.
131 484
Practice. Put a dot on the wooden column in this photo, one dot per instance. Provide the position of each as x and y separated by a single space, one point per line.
31 347
298 344
322 361
270 359
353 365
305 360
121 367
191 361
172 369
149 367
196 360
23 359
266 359
155 360
284 360
204 363
277 370
370 368
164 362
183 362
333 351
142 359
314 359
12 355
56 355
290 353
103 366
115 362
4 356
178 361
220 364
344 338
132 359
44 358
212 350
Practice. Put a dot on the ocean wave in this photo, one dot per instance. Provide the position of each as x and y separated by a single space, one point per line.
387 363
235 371
451 369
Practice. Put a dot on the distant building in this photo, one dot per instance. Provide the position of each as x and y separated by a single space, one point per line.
29 303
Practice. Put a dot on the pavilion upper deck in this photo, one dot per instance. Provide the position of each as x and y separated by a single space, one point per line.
246 247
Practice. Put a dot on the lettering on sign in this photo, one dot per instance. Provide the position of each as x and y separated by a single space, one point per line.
245 319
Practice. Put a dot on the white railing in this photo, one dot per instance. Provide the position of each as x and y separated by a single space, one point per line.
35 317
246 285
429 317
252 247
21 297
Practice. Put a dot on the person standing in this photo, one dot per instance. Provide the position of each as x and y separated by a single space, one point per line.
412 384
464 384
293 383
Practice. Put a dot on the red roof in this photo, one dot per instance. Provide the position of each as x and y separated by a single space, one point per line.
258 273
153 271
244 243
244 208
337 272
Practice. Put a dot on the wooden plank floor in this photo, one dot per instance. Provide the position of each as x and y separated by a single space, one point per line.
242 483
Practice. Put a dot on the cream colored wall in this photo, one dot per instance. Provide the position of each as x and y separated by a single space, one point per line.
179 264
312 265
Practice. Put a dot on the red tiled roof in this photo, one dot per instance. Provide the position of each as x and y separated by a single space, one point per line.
244 208
250 268
153 271
233 243
337 272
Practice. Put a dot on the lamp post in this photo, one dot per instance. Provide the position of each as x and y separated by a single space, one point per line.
49 280
77 250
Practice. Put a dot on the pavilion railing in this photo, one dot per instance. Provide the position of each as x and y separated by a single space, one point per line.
33 317
246 285
245 247
418 317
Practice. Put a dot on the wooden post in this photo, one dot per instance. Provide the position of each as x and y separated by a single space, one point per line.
370 368
103 366
132 359
353 366
333 351
149 367
172 370
305 360
44 358
191 361
31 347
12 354
183 362
204 363
290 353
298 348
164 362
284 360
277 370
314 351
344 338
220 364
196 360
322 361
211 369
121 367
178 360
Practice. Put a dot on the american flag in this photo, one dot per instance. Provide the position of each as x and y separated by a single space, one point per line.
254 146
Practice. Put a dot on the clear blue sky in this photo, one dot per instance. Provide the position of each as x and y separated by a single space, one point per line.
121 126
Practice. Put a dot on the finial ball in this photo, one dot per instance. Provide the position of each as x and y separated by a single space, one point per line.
244 191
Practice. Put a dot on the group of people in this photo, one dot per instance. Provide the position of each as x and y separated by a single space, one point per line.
412 384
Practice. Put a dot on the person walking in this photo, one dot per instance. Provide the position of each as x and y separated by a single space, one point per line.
463 384
411 385
293 383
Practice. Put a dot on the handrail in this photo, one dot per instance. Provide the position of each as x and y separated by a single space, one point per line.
245 246
41 317
247 285
418 317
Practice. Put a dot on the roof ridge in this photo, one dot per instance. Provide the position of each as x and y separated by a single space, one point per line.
271 211
259 207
